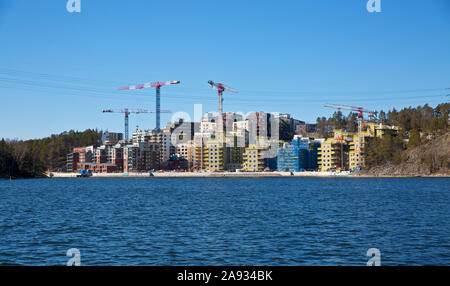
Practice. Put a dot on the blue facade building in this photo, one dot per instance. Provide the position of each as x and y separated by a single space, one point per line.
300 155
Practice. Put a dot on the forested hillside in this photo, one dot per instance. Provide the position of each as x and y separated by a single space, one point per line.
429 158
422 141
421 128
32 158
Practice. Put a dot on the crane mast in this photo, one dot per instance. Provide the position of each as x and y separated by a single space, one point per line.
220 89
360 111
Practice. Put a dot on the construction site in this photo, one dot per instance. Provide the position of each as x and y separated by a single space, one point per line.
226 143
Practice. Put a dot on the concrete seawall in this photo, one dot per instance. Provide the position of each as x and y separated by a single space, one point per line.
207 175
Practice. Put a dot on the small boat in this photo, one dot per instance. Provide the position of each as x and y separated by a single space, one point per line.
84 174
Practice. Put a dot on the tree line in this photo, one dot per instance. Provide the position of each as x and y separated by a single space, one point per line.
418 126
31 158
424 119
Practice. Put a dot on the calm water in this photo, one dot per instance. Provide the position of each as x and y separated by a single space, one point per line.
267 221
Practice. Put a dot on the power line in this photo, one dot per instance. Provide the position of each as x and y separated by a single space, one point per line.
14 83
113 83
77 86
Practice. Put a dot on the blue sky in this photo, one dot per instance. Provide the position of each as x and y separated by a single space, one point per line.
59 70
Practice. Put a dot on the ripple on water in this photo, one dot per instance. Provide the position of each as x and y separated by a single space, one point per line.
271 221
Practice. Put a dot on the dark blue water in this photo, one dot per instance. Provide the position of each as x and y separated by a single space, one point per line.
267 221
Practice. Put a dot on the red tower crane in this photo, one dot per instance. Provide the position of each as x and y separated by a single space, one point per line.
158 86
220 89
128 112
360 111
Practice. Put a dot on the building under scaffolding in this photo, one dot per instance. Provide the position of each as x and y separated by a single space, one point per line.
300 155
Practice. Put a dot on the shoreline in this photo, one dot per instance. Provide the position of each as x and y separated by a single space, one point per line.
239 175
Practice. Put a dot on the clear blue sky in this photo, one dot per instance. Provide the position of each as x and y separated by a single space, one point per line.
59 70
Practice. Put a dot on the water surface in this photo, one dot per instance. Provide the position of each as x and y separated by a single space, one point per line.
225 221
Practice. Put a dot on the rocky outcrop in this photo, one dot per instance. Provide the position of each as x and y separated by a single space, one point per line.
429 159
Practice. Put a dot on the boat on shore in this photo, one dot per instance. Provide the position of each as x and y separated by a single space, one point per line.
84 174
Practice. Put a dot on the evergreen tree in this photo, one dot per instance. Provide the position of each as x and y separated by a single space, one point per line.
8 165
414 139
31 158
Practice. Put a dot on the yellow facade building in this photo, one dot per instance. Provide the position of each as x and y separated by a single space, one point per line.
253 158
214 156
345 151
